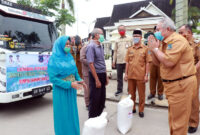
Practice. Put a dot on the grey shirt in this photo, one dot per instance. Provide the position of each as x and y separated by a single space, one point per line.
95 55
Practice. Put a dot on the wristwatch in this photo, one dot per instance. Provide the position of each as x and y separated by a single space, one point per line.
155 49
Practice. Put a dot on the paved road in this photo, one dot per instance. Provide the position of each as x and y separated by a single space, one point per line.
35 117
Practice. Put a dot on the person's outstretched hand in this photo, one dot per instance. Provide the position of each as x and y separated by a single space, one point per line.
83 84
76 85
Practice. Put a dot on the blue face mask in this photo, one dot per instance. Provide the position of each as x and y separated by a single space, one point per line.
136 40
159 36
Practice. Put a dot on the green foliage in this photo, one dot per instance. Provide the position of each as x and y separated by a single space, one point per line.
71 5
195 30
52 8
193 15
25 2
51 4
107 56
171 2
64 17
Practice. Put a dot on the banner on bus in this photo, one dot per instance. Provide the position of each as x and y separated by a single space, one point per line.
26 71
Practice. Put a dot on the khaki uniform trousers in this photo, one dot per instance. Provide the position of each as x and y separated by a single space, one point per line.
194 117
86 91
155 80
132 84
179 95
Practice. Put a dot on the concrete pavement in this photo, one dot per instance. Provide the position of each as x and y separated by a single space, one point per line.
155 121
35 117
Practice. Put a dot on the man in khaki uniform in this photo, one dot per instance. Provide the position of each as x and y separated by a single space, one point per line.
120 49
186 31
137 67
155 83
177 72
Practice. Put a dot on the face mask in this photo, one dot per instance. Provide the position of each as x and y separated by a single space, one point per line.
67 49
159 36
101 39
122 33
136 40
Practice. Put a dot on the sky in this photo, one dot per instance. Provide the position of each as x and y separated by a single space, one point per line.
86 12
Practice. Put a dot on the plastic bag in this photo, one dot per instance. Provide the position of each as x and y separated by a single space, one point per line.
95 126
124 115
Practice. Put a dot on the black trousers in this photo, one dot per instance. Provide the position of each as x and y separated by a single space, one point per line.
120 71
97 95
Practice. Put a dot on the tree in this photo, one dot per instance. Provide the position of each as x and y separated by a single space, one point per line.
64 18
52 8
193 15
70 3
196 30
171 2
25 2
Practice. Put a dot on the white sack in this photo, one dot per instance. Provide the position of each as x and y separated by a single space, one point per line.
124 115
95 126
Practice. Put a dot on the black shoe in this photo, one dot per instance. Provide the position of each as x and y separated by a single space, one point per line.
160 97
118 93
151 96
192 129
134 111
141 114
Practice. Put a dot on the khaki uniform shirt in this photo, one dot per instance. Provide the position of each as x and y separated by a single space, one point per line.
196 50
120 49
137 58
177 50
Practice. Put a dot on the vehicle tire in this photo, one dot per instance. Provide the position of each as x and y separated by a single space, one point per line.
40 96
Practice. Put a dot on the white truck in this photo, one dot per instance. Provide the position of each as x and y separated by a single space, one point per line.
26 41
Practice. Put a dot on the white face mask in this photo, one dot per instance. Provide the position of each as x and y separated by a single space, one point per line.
136 40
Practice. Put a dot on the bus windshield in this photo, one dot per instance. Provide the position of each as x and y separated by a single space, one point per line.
25 34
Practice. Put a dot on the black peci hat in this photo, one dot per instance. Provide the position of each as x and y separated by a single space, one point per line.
137 32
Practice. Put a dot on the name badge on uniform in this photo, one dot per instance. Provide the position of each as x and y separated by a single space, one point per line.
169 46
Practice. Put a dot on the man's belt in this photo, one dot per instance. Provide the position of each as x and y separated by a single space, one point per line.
163 80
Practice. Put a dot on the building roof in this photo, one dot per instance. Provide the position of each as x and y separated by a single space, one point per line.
101 22
124 11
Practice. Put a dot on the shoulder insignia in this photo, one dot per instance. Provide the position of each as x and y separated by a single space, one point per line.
169 46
